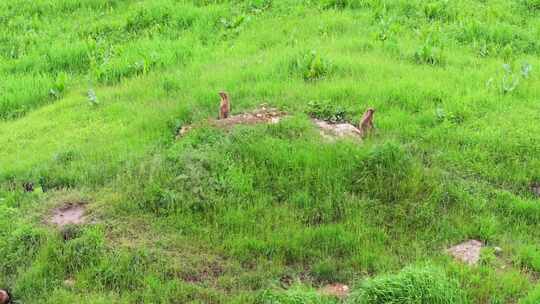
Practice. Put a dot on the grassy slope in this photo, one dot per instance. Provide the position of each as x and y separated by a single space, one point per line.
218 218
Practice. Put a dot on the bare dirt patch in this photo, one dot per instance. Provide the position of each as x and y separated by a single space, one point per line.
262 115
335 290
269 115
211 272
68 214
332 131
467 252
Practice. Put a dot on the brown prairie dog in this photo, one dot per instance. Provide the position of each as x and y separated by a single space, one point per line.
366 123
225 106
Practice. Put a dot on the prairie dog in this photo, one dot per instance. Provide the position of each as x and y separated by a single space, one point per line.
366 123
225 106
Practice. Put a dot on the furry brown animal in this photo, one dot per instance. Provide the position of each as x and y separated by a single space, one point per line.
225 106
366 123
5 298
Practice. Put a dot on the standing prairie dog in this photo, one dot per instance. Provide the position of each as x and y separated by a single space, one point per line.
366 123
225 106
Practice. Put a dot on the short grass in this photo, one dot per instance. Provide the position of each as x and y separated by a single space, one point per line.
93 92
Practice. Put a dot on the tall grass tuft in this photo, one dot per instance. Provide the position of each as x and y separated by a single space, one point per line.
295 295
413 285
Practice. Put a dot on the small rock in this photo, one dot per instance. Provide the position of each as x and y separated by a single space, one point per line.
498 250
5 297
336 290
467 252
275 120
535 189
70 283
341 130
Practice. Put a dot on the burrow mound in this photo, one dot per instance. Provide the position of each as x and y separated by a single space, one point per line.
262 115
68 214
268 115
467 252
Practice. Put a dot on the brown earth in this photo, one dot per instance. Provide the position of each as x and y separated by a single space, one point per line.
467 252
336 290
262 115
258 116
68 214
268 115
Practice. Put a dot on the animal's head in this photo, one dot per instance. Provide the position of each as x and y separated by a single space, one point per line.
371 110
223 95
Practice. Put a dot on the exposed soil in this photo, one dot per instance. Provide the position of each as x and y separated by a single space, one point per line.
68 214
258 116
336 290
262 115
267 115
467 252
339 130
209 272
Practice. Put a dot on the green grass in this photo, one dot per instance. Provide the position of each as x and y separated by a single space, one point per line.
295 295
227 216
411 285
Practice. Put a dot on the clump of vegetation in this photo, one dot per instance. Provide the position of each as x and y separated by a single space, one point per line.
343 4
511 79
429 54
92 97
385 172
328 110
441 10
311 65
533 297
233 26
59 86
531 5
528 257
295 295
426 285
387 28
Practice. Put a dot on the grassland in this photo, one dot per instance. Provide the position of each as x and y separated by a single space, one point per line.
93 92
